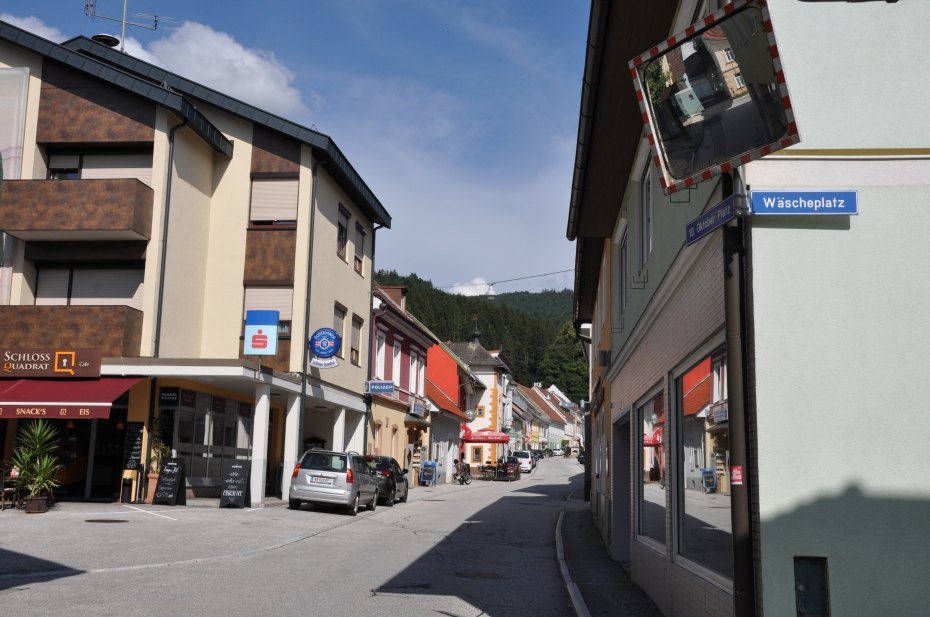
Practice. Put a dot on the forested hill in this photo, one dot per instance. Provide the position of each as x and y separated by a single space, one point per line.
553 306
535 336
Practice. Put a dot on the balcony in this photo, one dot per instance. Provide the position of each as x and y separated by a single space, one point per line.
115 330
119 209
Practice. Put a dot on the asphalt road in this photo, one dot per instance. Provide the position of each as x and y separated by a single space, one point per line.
485 549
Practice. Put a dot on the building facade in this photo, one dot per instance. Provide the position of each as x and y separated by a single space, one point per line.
145 215
666 492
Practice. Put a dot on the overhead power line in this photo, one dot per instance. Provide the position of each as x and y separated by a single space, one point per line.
519 278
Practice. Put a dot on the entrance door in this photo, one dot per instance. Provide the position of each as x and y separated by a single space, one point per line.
109 442
621 526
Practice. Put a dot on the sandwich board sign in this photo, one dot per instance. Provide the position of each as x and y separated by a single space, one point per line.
261 333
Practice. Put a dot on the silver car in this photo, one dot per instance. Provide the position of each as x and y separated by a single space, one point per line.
340 478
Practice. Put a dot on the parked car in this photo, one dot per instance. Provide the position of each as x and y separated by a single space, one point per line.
537 454
581 458
392 480
556 451
526 460
339 478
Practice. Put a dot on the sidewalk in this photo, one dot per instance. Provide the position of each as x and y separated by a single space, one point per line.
605 584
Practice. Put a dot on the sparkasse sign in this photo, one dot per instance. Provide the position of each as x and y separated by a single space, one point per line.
61 363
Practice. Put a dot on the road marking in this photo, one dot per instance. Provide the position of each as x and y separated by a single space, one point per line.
581 609
148 512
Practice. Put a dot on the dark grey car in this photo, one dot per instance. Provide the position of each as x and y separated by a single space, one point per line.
339 478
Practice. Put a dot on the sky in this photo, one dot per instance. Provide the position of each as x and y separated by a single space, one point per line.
461 116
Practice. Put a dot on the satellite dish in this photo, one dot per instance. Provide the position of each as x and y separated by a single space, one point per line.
106 39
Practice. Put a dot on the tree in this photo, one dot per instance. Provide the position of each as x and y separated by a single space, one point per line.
564 365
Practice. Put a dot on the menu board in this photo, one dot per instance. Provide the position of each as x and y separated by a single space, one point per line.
170 487
132 448
236 485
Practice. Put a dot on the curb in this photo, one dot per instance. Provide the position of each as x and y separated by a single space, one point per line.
581 609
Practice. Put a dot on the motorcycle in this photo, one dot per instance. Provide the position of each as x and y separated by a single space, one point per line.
462 472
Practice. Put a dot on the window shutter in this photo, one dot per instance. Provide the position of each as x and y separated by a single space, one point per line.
52 288
97 166
94 287
279 299
274 200
64 161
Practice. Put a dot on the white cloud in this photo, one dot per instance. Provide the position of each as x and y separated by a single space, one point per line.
475 287
216 59
35 26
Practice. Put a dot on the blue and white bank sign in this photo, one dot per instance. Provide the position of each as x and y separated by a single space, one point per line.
793 203
261 333
325 344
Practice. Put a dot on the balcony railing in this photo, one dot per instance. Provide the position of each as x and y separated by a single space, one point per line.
115 330
119 209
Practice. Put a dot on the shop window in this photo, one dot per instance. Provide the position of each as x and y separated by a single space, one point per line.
377 439
342 232
705 535
354 355
650 416
476 453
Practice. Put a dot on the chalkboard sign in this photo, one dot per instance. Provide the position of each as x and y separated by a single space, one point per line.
170 486
236 485
132 448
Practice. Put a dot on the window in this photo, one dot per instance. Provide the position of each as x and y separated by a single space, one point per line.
645 209
394 442
342 233
421 377
395 367
414 372
476 452
624 282
72 166
354 356
705 535
90 287
339 325
739 80
729 54
479 412
377 439
380 355
64 167
273 202
650 416
359 247
279 299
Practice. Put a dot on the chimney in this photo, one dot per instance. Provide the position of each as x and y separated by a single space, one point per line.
397 294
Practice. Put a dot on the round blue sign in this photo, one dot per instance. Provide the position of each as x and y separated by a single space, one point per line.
325 343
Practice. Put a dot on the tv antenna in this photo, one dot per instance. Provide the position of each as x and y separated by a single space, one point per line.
151 22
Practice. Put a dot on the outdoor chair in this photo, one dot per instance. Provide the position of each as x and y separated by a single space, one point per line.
8 492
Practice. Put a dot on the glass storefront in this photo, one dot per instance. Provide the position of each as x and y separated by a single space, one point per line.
704 490
209 432
650 416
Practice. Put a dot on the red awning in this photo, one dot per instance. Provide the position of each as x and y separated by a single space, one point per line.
56 398
486 435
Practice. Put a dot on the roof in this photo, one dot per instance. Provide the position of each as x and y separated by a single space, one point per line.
540 404
153 92
473 354
323 146
548 405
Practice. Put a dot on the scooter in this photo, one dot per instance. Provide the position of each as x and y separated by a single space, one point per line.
462 472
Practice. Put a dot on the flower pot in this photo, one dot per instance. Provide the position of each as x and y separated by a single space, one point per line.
36 505
150 489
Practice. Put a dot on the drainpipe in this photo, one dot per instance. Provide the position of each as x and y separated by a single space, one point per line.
306 336
734 274
164 240
373 331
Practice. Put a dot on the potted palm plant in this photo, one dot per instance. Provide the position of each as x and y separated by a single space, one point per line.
160 452
34 458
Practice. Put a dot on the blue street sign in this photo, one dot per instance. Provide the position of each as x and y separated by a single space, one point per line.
379 387
261 333
792 203
325 343
716 217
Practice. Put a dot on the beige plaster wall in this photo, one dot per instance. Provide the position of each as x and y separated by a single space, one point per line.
163 121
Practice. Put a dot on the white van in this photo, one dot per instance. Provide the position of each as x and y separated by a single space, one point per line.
526 460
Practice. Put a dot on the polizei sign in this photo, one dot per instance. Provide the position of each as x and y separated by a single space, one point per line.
49 363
